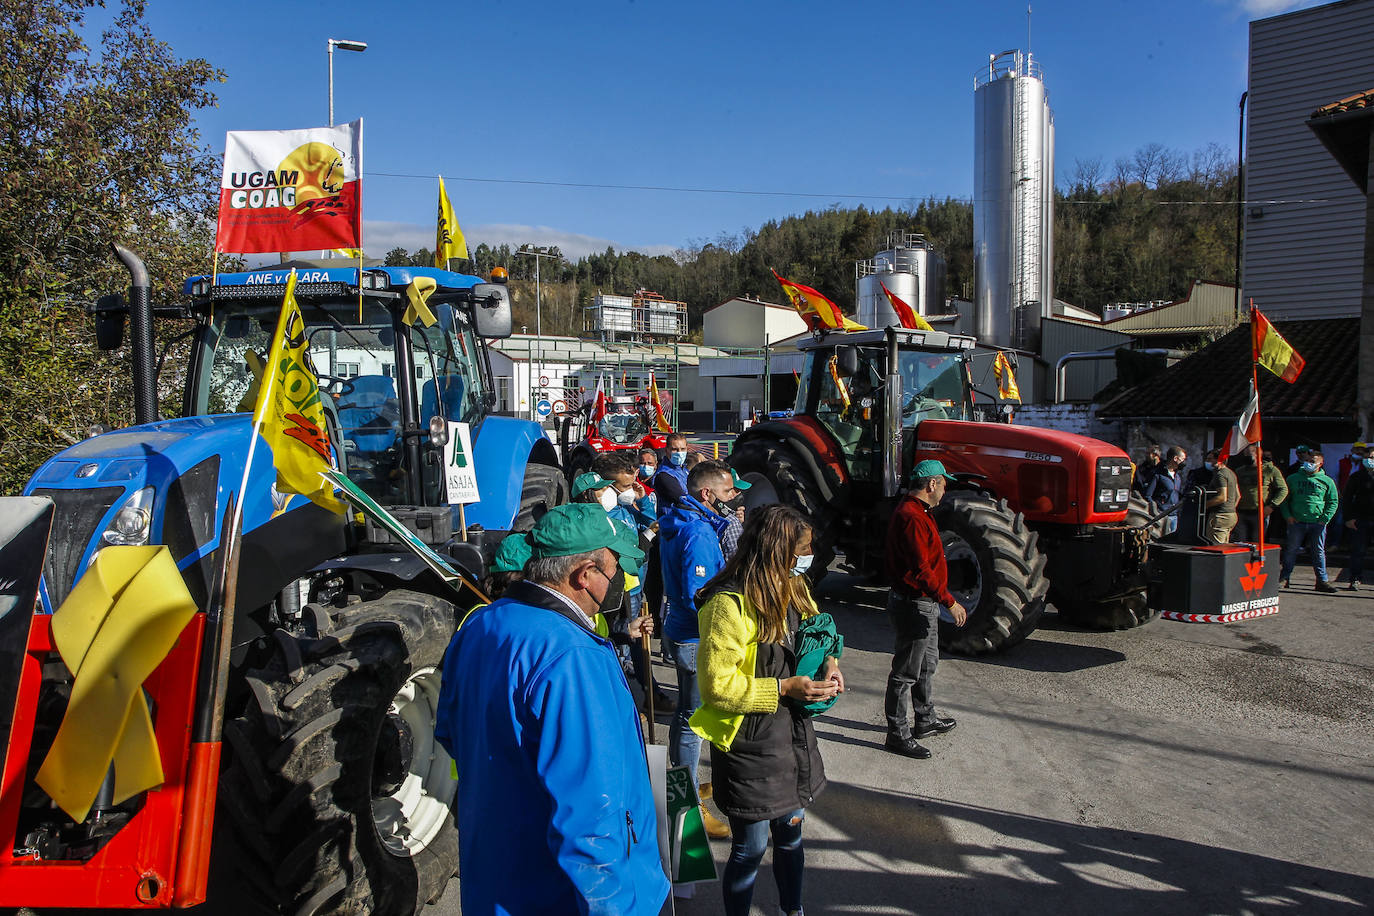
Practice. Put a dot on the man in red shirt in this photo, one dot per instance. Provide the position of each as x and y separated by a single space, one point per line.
920 584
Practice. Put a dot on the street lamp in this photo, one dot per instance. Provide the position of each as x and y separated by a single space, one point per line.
343 45
538 253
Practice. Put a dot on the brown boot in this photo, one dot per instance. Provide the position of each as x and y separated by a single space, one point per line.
704 791
716 829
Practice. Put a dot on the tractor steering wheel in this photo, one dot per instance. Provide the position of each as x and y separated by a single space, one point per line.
346 385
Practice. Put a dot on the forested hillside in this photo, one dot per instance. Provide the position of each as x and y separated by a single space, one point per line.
1143 230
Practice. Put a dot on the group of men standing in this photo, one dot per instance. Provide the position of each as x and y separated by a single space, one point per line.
1237 501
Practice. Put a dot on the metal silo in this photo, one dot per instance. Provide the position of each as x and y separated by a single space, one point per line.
911 268
1013 202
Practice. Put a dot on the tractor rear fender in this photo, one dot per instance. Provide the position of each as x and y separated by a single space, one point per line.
814 447
501 447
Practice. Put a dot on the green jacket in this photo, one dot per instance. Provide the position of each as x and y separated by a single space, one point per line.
1275 488
1311 498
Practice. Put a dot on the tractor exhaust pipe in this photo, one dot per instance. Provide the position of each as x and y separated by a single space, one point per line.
140 336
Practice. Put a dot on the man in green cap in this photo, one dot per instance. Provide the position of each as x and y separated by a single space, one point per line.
543 730
920 585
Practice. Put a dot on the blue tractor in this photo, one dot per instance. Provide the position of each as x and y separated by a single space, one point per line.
333 795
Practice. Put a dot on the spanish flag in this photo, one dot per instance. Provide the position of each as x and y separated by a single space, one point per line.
1006 378
818 311
448 235
660 418
905 313
289 413
1270 349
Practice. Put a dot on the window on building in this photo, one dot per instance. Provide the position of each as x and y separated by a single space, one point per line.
347 370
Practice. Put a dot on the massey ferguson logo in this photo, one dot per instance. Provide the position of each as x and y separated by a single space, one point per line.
1254 578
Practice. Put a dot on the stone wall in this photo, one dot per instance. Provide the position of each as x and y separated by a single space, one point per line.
1133 437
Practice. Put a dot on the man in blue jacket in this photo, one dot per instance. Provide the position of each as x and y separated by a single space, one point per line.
545 737
690 554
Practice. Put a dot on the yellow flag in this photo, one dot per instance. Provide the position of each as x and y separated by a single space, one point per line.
114 629
354 253
1006 378
289 412
448 237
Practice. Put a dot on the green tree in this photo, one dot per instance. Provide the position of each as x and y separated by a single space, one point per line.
96 146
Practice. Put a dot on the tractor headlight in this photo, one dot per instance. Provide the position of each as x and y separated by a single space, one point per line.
133 522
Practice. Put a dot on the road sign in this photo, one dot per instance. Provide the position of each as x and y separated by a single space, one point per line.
543 381
543 408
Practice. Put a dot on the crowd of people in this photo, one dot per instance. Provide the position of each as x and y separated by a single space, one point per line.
1236 501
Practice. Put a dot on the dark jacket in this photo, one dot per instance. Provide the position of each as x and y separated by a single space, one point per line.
1357 499
773 766
1165 489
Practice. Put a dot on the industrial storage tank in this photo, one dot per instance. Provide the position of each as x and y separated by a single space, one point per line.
1013 202
911 268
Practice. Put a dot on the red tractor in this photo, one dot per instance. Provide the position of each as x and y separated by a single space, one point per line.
627 424
1038 517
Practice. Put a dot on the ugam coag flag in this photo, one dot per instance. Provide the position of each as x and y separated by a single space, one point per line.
291 190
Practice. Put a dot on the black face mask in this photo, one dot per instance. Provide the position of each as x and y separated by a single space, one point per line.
729 506
615 592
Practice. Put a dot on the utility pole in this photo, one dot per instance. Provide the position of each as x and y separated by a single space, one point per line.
539 253
343 45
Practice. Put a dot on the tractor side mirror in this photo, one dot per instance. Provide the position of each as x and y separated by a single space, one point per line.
109 314
847 361
491 310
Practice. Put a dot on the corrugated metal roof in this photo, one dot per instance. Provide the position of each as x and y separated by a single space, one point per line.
1304 225
1208 306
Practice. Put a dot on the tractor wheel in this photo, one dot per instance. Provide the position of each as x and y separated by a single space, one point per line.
777 475
545 487
334 791
996 571
579 462
1120 612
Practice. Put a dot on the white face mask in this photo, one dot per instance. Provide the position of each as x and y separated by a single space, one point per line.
802 565
607 499
626 497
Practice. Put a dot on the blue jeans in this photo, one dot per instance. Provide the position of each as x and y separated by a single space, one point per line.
749 840
684 746
1312 535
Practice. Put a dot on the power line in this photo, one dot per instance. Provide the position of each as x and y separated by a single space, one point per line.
744 192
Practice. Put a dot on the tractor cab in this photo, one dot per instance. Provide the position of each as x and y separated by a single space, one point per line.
627 425
869 389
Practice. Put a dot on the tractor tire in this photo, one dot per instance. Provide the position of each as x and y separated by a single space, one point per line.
777 475
335 796
545 487
996 570
1118 612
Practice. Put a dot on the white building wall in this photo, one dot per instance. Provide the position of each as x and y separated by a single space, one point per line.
1304 224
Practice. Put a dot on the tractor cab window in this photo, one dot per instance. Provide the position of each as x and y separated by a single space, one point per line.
932 386
623 428
851 408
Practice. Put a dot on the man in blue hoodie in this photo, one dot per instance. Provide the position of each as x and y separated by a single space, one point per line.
670 483
689 535
545 737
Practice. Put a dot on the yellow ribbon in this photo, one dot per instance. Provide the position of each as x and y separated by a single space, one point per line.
114 629
417 294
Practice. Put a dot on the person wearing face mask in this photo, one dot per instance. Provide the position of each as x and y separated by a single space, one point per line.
1166 486
1221 505
1310 506
1357 507
690 555
1259 467
545 737
765 763
920 585
670 483
734 520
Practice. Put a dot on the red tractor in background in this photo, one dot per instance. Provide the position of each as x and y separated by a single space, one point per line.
626 424
1038 517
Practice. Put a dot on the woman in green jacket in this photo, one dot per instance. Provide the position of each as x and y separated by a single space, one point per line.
765 765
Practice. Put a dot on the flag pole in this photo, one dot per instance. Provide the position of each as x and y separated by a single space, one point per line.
1259 461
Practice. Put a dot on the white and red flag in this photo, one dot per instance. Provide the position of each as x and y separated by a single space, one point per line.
599 400
291 190
1247 429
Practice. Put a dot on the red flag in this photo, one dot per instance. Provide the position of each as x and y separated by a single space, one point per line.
1246 430
291 190
818 311
1270 349
905 313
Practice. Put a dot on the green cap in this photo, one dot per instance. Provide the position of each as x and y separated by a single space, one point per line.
513 553
628 542
739 484
589 481
931 468
580 528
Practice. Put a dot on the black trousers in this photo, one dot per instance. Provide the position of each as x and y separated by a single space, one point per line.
914 658
1247 527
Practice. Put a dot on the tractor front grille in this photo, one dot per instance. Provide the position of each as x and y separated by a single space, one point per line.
75 519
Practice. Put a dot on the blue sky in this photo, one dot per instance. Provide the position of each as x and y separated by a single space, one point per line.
813 103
